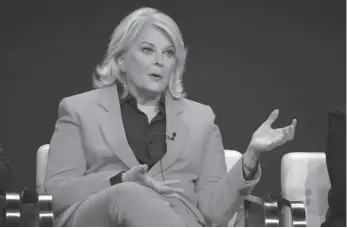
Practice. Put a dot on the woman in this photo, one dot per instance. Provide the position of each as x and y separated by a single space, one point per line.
136 152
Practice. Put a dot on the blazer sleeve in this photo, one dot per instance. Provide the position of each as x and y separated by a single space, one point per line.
220 194
66 166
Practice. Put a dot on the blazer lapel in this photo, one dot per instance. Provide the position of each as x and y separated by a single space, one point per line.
174 124
112 127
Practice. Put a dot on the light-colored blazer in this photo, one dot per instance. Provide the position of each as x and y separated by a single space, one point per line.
89 146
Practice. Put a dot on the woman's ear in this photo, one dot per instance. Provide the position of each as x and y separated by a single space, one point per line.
120 62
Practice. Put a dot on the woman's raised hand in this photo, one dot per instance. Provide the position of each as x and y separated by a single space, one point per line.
265 138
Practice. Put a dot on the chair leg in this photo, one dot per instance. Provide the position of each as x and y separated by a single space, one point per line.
297 210
43 204
271 214
46 215
269 207
12 210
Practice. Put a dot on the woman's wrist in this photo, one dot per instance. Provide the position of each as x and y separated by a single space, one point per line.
250 161
124 177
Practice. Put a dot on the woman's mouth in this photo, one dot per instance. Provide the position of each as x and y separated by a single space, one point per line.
157 76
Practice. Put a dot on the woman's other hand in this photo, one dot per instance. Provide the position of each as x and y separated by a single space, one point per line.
139 175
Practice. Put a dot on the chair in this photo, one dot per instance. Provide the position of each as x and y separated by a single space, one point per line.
240 218
35 204
41 165
27 208
305 185
269 207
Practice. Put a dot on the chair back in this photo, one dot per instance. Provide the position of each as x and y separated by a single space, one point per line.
41 165
231 157
304 177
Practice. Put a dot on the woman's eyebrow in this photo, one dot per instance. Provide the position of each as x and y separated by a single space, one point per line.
145 42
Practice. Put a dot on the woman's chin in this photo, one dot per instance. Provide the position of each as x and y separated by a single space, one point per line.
156 89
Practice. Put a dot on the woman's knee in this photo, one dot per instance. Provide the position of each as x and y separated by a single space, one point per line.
112 204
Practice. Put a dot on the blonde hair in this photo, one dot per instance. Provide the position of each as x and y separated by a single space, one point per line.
108 72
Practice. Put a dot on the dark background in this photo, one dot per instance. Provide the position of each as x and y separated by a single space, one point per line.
246 58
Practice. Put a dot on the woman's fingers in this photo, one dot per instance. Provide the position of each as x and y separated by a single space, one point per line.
294 122
144 168
287 135
136 169
172 190
170 182
273 116
172 195
139 169
136 173
178 190
289 131
168 190
282 141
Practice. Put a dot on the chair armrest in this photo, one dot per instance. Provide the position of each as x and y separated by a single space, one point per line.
269 207
297 210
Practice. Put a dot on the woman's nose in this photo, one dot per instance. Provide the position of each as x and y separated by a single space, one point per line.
159 60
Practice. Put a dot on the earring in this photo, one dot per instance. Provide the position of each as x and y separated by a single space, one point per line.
125 87
125 84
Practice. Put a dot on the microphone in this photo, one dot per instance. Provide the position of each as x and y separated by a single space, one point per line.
171 137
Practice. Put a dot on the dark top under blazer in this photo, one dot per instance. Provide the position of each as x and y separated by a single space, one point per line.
147 140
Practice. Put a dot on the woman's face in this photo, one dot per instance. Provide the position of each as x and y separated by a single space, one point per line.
149 63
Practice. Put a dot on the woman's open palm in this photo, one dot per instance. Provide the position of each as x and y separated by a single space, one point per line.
139 175
265 138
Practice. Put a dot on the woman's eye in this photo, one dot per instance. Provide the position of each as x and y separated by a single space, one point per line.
170 53
147 50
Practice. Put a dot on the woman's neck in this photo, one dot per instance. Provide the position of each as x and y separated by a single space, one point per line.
146 100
